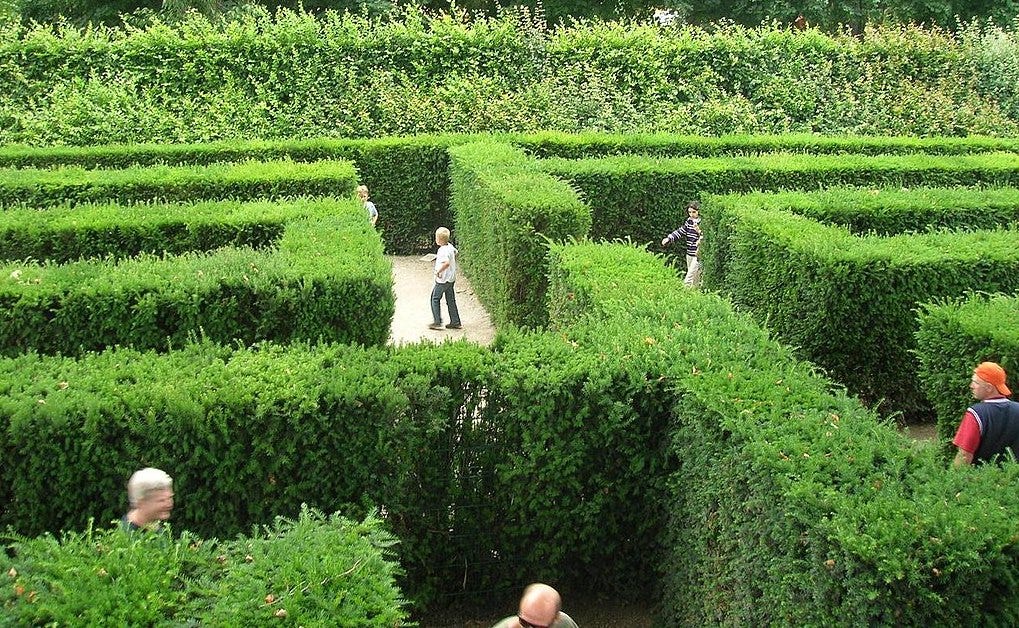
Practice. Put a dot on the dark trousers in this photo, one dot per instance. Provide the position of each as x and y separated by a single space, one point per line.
444 289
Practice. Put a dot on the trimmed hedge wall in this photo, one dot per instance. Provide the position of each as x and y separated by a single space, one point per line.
953 337
72 232
509 210
848 302
248 180
314 570
409 176
883 211
788 503
327 263
656 427
644 198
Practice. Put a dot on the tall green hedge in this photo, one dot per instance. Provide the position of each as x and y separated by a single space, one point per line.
326 264
247 180
294 75
848 302
956 335
788 503
506 211
644 197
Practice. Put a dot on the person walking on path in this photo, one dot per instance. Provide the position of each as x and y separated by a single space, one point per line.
689 234
991 427
445 277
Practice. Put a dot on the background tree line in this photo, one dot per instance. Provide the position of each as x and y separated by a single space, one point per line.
826 14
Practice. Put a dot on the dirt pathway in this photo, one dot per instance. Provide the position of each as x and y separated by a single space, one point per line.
412 285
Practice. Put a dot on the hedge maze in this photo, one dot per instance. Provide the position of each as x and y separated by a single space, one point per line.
623 435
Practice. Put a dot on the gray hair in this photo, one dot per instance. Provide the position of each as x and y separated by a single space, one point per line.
145 481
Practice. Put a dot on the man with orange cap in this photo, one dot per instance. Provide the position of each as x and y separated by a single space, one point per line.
539 608
989 427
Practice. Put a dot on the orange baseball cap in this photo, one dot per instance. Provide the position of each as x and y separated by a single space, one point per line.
994 375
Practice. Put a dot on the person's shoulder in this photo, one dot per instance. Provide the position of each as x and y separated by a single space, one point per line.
506 623
564 621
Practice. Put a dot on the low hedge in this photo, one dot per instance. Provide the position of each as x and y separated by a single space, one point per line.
591 144
883 211
788 503
847 302
72 232
644 198
327 263
409 176
506 211
952 338
312 570
248 180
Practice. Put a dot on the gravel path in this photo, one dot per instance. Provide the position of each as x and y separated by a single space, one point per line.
412 284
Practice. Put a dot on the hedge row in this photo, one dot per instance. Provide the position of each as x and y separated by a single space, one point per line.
788 503
848 302
956 335
491 467
878 210
72 232
276 179
297 75
657 421
312 570
326 264
643 198
409 176
509 211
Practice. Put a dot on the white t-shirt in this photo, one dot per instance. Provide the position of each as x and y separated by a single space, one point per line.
446 252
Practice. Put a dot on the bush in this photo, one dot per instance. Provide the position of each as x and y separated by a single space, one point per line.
847 302
327 263
507 212
314 569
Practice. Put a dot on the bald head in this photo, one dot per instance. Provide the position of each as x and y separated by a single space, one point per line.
540 605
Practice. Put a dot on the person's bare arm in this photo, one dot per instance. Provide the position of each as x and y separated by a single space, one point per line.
962 457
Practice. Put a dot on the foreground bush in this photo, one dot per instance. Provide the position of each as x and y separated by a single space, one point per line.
313 571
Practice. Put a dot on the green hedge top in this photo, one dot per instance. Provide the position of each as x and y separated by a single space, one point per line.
327 262
591 144
314 569
38 187
547 144
783 162
67 233
889 211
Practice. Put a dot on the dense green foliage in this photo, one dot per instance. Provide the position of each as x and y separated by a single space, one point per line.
847 302
643 197
650 434
247 180
407 176
296 76
788 504
510 211
315 570
953 337
326 262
